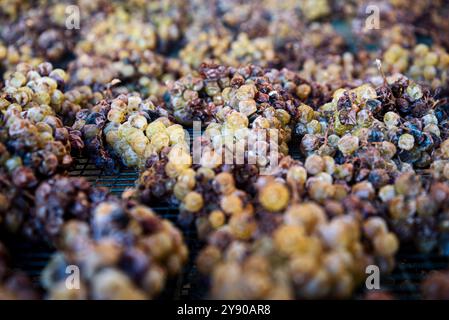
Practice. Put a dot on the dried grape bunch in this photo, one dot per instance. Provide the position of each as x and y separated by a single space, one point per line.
402 34
154 26
125 252
169 20
170 177
295 244
38 31
396 123
43 151
93 71
37 209
248 130
437 21
30 86
143 72
206 46
126 128
249 90
261 271
12 8
120 129
41 32
251 16
420 63
295 86
259 146
10 56
44 87
16 195
115 46
167 176
436 286
279 39
90 124
174 175
346 70
318 43
427 18
58 200
135 132
81 97
417 210
315 10
375 157
215 47
239 35
14 285
214 198
206 193
403 21
32 130
118 30
126 45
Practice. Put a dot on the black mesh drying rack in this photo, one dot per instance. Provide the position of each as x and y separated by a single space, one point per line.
403 283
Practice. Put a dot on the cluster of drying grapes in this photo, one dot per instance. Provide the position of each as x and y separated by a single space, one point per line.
372 172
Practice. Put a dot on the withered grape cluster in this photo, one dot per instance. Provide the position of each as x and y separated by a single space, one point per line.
125 251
